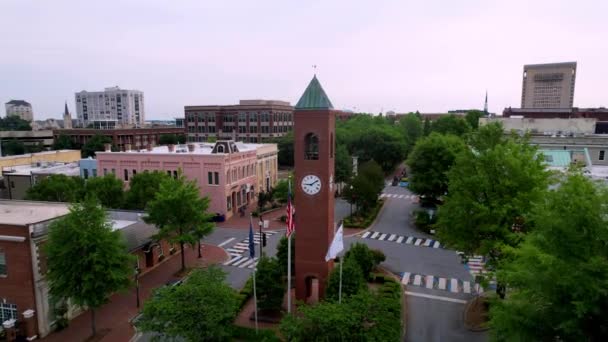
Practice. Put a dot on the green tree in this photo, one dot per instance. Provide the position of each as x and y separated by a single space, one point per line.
107 189
487 137
426 129
489 198
14 123
286 149
384 145
270 284
200 309
343 164
472 117
558 278
412 129
12 147
282 254
179 213
352 280
364 189
363 257
451 124
57 188
280 191
87 260
95 144
142 189
171 139
430 162
64 142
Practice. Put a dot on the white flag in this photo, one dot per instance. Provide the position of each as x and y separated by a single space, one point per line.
337 245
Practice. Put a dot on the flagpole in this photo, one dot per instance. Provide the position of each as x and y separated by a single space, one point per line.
252 256
340 288
255 302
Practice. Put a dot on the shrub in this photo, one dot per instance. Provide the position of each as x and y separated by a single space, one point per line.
249 334
378 256
362 256
271 287
424 221
352 280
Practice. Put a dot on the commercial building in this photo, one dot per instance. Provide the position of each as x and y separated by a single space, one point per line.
20 108
111 108
25 302
59 156
548 85
250 121
228 172
17 180
601 113
138 138
30 138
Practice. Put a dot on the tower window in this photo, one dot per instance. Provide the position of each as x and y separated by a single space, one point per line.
311 147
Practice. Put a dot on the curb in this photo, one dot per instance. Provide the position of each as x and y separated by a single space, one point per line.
226 254
362 231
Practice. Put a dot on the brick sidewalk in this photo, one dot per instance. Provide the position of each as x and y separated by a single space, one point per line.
122 306
238 222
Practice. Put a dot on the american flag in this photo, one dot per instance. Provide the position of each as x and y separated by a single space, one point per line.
291 225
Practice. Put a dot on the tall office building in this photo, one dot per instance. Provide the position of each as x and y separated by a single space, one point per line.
20 108
548 85
111 108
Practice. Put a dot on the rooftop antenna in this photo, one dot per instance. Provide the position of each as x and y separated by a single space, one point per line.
314 68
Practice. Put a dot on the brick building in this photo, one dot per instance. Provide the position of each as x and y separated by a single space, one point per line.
25 303
136 137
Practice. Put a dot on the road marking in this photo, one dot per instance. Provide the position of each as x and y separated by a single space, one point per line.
442 283
454 285
382 195
382 237
417 279
409 240
392 237
242 248
240 261
436 244
235 255
253 265
247 263
225 242
466 287
375 235
406 278
427 242
234 250
232 260
445 299
401 196
400 239
241 244
418 241
429 281
366 235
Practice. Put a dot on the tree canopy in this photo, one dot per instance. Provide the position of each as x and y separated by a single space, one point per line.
14 123
558 278
57 188
271 288
172 139
411 124
64 142
95 144
87 260
451 124
200 309
364 189
107 189
472 117
142 188
343 164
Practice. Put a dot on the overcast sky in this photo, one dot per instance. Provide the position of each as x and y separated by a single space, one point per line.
430 55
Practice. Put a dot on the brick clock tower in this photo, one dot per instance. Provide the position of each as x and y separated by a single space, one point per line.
314 134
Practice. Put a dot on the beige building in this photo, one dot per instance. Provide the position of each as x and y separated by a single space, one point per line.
549 127
267 166
61 156
548 85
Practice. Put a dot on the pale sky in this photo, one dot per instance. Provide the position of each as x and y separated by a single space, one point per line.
373 55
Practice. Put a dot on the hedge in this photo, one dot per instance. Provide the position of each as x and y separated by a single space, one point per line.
368 220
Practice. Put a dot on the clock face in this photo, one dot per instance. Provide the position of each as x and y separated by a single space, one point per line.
311 184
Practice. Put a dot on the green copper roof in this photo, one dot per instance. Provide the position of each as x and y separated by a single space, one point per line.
314 97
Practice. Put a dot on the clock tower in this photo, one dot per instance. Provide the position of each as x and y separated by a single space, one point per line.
314 139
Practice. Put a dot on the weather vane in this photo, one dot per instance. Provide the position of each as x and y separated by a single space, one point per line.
314 67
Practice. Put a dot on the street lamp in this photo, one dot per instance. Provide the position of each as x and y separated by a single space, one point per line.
137 271
261 223
351 202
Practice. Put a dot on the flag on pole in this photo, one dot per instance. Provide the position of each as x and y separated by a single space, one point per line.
251 243
291 226
337 245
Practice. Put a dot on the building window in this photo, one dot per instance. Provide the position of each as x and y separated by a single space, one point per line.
126 175
311 147
134 172
217 178
2 263
228 203
220 148
169 173
210 178
94 172
105 171
602 154
8 311
86 173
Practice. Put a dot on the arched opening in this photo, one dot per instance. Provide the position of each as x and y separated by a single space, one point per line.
312 289
311 147
220 149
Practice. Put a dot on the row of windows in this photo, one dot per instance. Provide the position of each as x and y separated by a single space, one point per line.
7 311
2 264
241 117
239 173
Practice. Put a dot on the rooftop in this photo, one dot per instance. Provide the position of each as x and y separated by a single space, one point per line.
551 65
19 103
314 97
28 155
21 213
43 168
199 148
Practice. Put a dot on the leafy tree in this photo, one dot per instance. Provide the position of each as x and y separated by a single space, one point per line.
95 144
64 142
179 213
14 123
343 164
107 189
489 198
487 137
451 124
57 188
87 260
365 188
282 254
271 287
472 117
12 147
385 146
286 149
171 139
200 309
203 229
558 277
364 257
142 189
352 280
426 129
412 129
430 162
280 191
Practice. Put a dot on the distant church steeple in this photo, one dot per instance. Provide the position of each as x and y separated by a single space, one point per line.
485 105
67 117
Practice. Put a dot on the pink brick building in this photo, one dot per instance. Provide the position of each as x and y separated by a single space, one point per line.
225 171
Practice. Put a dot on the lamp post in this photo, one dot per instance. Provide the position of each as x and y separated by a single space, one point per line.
351 202
137 270
261 223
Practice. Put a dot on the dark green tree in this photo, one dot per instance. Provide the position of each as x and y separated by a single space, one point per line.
280 191
64 142
430 162
451 124
14 123
352 280
270 284
472 117
363 257
412 129
558 277
107 189
168 139
426 129
364 189
179 213
12 147
95 144
142 189
282 254
57 188
343 164
286 149
87 260
200 309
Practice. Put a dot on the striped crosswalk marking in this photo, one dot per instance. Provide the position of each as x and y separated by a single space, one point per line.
417 280
427 242
232 260
436 244
225 242
392 237
454 285
401 196
466 287
234 250
375 235
429 281
406 278
247 263
400 239
366 235
253 265
409 240
442 283
235 255
382 237
382 195
240 261
418 241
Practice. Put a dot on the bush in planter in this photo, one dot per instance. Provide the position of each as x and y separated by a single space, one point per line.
352 280
363 257
378 256
424 221
271 287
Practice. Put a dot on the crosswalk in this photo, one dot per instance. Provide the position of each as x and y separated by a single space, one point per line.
408 240
452 285
476 264
398 196
239 252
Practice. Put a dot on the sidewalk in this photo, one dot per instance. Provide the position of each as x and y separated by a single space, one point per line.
238 222
115 315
